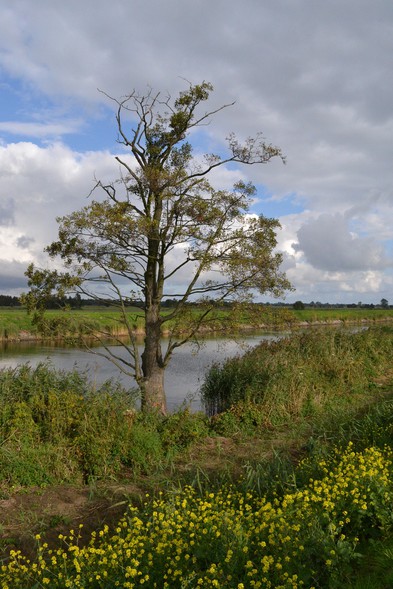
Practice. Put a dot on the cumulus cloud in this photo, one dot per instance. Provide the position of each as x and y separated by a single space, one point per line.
39 184
328 244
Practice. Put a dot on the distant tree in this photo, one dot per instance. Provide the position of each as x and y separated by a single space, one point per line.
298 305
163 223
384 303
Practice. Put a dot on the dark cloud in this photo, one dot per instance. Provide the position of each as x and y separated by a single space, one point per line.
24 241
12 279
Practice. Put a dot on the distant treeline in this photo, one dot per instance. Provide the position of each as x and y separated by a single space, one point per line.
77 302
8 301
318 305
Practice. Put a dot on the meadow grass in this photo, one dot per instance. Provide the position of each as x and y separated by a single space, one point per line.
13 321
351 315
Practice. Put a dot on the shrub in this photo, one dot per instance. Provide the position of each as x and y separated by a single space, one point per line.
81 430
182 428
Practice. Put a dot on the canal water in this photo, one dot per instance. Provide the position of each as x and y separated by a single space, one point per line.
183 377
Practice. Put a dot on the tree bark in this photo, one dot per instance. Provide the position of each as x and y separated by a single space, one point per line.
153 392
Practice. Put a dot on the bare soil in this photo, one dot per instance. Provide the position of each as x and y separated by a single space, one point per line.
56 510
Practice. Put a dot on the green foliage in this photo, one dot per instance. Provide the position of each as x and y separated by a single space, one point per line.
27 465
243 417
298 306
143 449
183 428
164 202
61 426
56 427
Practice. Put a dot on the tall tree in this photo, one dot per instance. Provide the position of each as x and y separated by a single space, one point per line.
161 226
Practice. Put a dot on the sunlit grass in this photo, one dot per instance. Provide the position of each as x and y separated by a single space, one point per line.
301 376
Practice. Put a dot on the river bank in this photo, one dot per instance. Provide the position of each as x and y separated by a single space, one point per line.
17 326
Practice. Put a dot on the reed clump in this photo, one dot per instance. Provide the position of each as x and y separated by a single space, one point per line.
56 427
301 375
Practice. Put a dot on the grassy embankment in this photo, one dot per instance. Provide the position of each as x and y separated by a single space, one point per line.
16 324
290 486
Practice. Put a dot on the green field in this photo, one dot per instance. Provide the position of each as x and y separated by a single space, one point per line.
13 321
16 323
345 315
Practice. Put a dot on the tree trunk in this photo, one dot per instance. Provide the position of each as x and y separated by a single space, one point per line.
153 392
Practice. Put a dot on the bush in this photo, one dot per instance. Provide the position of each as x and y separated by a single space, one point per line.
82 431
182 428
59 428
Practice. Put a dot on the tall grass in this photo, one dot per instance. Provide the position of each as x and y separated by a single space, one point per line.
301 375
56 427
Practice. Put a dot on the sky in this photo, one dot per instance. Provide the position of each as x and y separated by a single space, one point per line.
315 77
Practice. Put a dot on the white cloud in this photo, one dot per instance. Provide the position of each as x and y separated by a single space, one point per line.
37 185
39 130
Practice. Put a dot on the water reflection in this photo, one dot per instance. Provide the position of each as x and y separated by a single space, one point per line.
183 376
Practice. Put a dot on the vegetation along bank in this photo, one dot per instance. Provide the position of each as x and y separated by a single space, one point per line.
17 325
287 482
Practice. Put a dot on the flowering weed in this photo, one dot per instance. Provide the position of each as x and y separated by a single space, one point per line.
229 539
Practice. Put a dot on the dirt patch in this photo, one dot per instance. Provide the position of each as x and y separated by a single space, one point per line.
56 510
